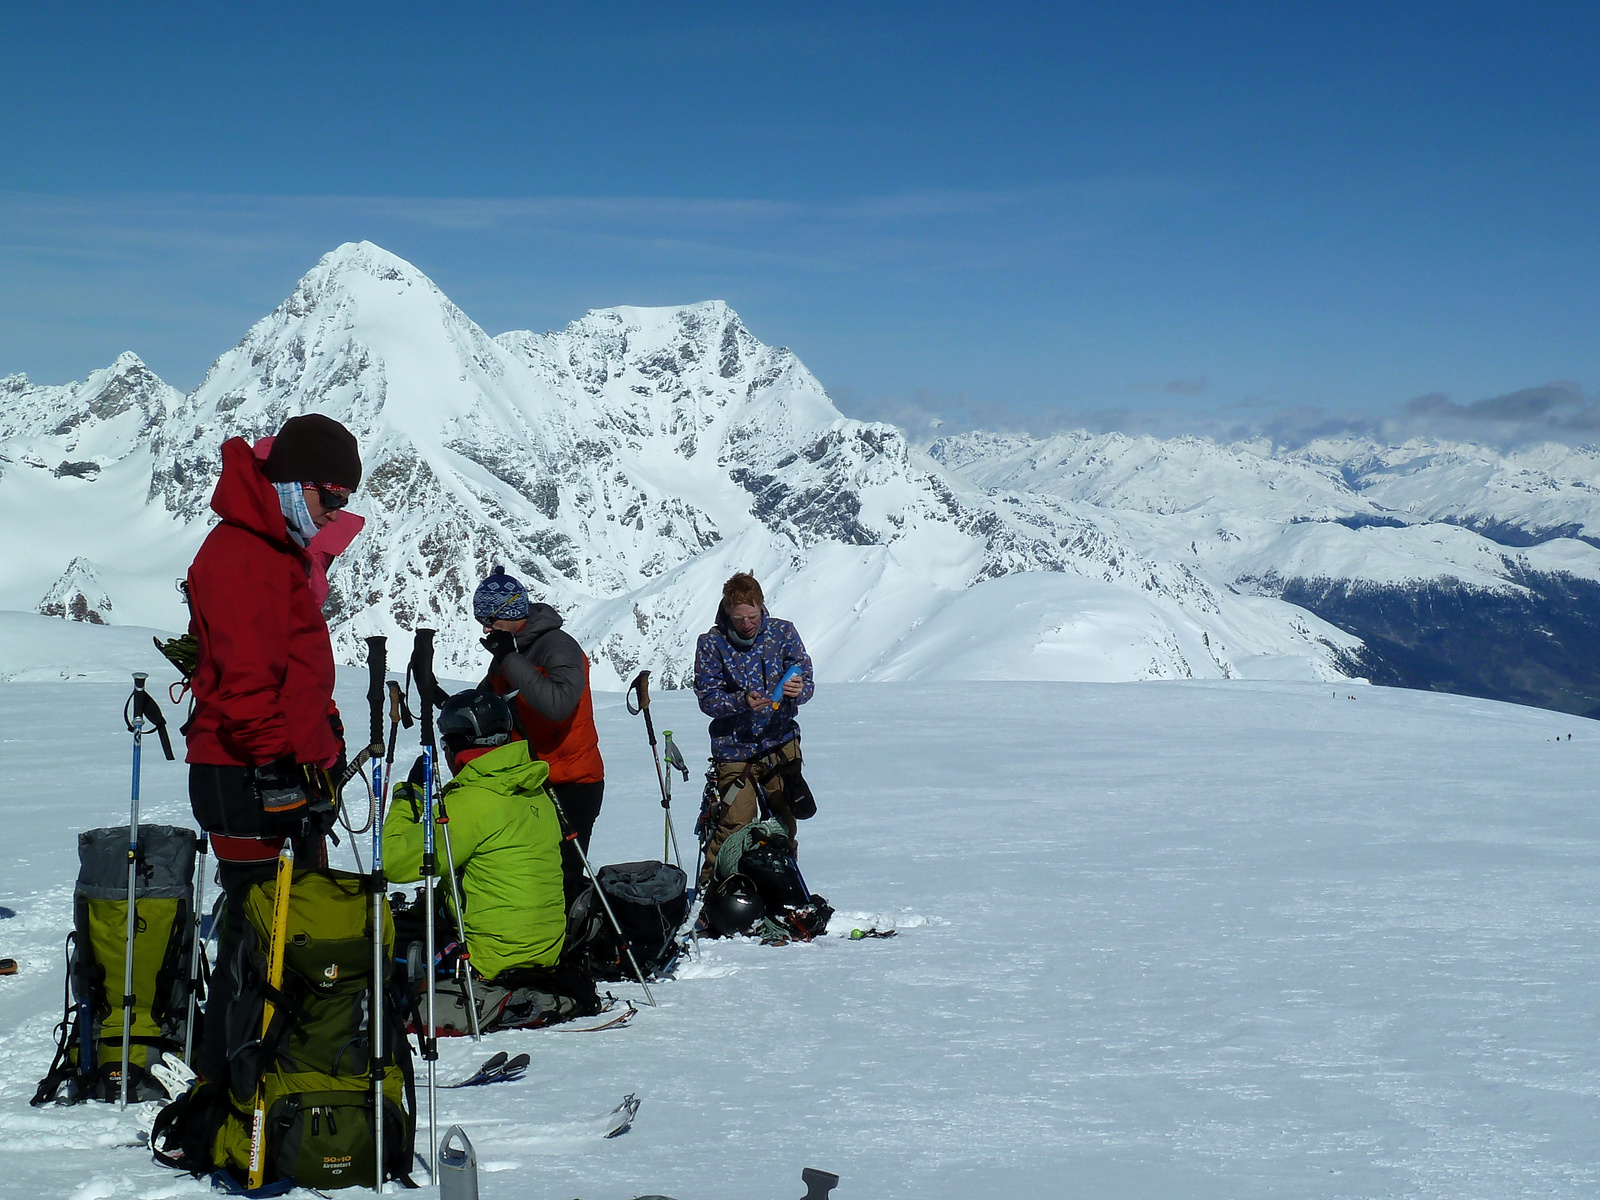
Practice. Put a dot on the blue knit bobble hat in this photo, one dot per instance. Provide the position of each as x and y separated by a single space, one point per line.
500 598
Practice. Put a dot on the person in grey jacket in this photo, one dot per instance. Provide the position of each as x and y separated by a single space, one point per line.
546 669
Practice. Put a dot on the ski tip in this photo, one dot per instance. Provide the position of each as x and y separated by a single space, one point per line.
628 1109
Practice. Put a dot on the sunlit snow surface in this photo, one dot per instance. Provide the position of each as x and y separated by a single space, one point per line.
1156 940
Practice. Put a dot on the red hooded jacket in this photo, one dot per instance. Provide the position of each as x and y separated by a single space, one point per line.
264 683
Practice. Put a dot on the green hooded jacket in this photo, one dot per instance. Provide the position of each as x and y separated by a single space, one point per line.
506 842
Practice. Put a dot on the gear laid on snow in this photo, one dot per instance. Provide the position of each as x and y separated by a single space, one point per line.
734 907
497 1068
648 900
759 860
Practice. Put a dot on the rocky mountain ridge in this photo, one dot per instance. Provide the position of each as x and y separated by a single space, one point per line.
626 464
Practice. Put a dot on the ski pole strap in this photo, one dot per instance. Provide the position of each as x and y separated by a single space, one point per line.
639 690
366 755
142 706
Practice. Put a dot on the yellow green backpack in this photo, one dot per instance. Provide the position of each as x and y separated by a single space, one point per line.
88 1059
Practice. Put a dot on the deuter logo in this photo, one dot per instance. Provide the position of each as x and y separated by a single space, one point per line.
332 972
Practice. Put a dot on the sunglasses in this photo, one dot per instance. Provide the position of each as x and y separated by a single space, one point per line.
333 496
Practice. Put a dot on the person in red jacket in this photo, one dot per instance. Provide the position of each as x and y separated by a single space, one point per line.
549 672
265 732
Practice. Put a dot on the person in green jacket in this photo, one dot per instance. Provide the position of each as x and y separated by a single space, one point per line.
505 841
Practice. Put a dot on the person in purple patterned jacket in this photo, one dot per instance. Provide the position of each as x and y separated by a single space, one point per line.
738 663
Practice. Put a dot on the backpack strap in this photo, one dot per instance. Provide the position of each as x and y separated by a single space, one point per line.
61 1069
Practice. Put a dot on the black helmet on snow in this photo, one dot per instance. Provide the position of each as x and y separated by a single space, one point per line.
771 867
735 906
474 719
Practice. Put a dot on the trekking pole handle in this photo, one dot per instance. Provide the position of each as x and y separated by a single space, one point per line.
133 715
142 707
377 668
640 688
422 669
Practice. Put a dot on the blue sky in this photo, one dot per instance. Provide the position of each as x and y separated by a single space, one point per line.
1206 215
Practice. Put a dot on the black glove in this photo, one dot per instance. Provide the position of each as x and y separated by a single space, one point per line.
499 643
280 785
342 763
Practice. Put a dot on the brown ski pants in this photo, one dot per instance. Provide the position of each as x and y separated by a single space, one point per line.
742 807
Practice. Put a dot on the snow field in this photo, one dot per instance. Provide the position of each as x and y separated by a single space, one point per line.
1161 939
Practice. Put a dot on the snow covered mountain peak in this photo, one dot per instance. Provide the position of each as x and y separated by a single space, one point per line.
95 422
625 465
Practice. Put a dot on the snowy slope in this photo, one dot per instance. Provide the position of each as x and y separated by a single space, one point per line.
1258 517
1174 939
624 466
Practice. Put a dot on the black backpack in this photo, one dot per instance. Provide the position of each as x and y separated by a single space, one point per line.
649 900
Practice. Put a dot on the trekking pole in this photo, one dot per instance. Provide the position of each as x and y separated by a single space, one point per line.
141 707
572 836
202 844
638 702
430 1043
422 669
428 685
464 957
136 726
280 929
377 669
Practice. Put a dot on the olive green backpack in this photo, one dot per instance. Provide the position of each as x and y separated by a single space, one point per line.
313 1065
88 1059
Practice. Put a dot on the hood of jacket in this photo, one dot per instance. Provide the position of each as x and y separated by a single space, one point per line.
504 769
245 498
541 620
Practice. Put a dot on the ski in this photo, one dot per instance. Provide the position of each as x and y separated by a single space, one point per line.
514 1069
624 1114
616 1022
495 1069
487 1072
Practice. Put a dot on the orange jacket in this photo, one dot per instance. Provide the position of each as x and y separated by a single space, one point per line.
550 674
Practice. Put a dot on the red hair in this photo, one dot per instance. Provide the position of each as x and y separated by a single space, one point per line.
741 589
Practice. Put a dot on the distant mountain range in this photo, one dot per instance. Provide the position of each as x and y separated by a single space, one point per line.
627 464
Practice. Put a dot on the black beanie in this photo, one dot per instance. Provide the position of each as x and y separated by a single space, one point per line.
314 449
